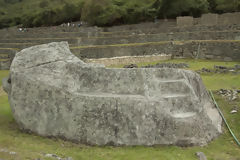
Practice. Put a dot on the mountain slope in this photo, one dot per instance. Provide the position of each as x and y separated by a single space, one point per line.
32 13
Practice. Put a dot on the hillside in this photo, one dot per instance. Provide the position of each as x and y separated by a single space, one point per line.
33 13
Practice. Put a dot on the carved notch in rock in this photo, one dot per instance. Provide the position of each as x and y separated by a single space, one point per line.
53 93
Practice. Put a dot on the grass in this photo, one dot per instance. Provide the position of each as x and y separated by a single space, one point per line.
29 146
3 58
3 73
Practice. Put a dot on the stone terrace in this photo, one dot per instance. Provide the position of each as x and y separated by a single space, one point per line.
199 40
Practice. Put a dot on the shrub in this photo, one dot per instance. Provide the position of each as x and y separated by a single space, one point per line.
43 4
12 1
223 6
93 10
174 8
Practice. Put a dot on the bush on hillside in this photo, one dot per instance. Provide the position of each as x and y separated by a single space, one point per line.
47 17
12 1
223 6
100 12
174 8
137 12
4 22
105 12
43 4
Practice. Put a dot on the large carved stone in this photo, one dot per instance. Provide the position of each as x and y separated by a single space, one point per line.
53 93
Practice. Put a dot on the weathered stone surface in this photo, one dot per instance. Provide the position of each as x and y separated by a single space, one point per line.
53 93
229 18
209 19
184 21
201 156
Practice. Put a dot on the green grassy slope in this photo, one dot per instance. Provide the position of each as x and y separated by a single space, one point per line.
29 146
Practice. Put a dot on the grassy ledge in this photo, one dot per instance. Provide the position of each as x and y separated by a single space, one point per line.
156 43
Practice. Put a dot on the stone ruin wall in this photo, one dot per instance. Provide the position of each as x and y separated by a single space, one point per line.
185 21
220 27
212 49
210 19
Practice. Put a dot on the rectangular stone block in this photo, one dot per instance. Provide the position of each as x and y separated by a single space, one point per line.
209 19
185 21
229 18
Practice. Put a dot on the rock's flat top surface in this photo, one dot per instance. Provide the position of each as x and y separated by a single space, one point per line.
53 93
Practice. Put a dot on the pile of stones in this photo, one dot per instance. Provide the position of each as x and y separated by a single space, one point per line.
221 69
160 65
231 95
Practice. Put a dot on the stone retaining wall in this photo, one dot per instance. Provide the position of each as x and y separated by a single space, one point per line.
208 49
177 36
227 50
229 18
211 36
210 20
184 21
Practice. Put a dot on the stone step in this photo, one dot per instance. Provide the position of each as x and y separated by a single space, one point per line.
164 96
172 88
171 100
